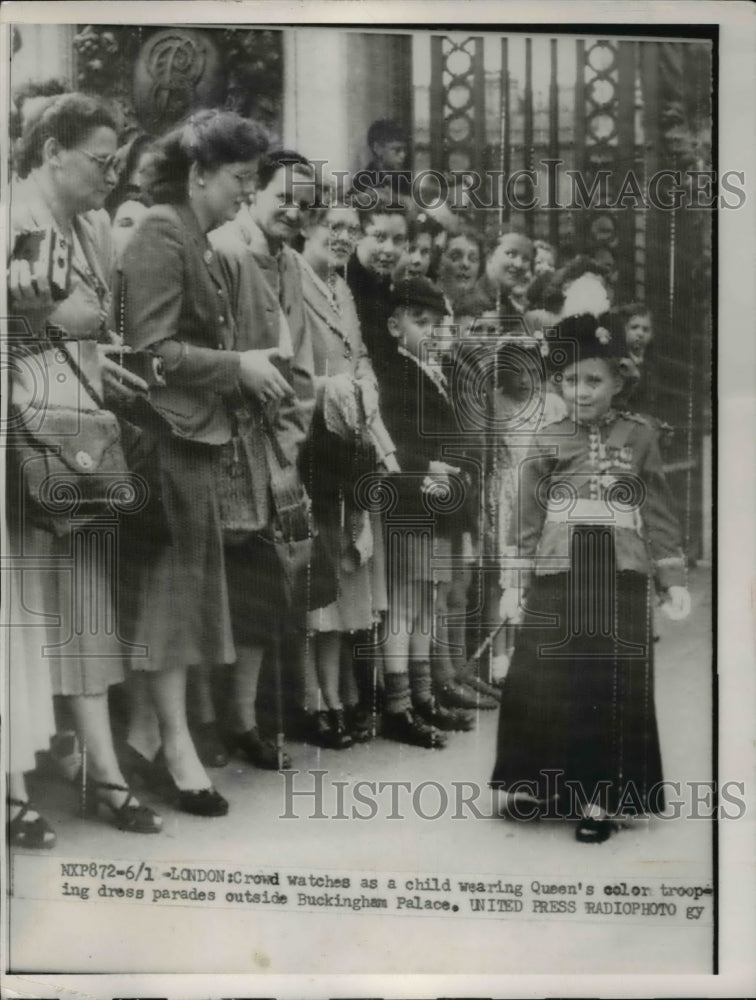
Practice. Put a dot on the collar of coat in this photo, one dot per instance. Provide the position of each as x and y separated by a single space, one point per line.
31 212
367 281
430 371
253 235
193 230
326 302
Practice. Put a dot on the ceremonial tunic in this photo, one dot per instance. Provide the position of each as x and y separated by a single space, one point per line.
594 526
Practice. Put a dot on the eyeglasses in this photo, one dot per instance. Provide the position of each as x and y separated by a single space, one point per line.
343 229
105 163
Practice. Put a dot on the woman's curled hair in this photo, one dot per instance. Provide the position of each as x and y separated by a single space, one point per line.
209 138
68 118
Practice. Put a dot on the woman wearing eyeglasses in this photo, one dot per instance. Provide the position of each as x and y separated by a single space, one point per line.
58 593
348 438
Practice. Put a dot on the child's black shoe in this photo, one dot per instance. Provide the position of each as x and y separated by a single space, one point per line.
445 718
454 695
408 727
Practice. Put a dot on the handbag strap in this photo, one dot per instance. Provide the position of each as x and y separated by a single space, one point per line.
78 372
285 486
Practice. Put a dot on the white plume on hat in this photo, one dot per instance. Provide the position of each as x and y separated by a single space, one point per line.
586 294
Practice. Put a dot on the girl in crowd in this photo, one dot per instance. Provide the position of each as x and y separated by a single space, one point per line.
577 707
369 271
460 264
509 263
348 439
66 160
173 304
419 259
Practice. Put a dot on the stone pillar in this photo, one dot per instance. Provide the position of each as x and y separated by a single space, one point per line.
46 53
336 83
315 88
380 86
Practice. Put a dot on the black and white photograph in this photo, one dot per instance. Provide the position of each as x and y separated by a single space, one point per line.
368 415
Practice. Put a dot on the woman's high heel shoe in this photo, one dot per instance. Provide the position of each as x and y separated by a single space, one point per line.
137 769
131 816
31 833
201 802
258 750
593 831
195 801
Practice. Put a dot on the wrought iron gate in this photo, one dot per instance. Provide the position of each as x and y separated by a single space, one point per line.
522 102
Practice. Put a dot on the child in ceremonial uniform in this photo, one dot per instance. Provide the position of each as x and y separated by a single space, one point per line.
594 524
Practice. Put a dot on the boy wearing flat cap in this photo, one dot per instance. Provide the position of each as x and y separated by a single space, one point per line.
426 500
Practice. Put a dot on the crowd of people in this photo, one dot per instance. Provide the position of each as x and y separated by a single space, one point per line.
348 418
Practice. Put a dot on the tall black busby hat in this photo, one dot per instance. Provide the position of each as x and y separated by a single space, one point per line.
578 338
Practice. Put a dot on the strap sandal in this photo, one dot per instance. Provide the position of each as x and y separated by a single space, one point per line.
35 834
131 816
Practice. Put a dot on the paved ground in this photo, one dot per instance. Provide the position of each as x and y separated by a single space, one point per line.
254 834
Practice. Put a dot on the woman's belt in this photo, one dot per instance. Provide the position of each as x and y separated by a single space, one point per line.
586 511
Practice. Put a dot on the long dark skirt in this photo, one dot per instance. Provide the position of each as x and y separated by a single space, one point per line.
173 580
577 716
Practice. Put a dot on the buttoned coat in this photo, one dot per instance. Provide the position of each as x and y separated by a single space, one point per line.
171 298
52 594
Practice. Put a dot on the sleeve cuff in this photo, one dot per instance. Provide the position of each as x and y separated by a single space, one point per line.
670 572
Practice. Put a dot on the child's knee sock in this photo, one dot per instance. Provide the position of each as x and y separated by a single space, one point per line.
397 692
420 682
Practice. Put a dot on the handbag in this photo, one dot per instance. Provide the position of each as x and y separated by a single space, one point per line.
275 506
67 445
243 498
291 529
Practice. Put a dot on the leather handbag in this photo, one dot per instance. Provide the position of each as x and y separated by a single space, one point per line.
291 529
243 497
258 491
67 445
261 493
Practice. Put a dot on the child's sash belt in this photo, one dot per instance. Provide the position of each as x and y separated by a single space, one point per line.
586 511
